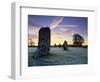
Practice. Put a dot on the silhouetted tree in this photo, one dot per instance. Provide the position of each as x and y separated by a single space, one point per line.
78 40
31 43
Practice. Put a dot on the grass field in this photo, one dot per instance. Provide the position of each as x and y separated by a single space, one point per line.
74 55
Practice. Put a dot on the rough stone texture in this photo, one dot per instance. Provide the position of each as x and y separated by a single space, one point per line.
44 37
43 42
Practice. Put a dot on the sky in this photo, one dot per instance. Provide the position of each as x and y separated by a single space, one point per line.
62 28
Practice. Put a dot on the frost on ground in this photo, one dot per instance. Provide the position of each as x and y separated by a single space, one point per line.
59 57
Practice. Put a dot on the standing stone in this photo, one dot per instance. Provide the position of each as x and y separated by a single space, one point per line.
44 37
43 42
55 45
59 45
65 45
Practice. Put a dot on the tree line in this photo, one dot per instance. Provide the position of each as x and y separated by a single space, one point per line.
78 41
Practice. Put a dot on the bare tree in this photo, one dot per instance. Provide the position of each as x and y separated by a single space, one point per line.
31 43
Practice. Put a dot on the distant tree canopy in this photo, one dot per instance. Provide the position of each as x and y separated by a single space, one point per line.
31 43
78 40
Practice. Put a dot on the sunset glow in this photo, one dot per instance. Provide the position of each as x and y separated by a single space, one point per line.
62 28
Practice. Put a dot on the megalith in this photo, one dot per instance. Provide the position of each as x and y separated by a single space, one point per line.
43 42
65 45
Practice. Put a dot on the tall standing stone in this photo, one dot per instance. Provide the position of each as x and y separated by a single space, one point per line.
43 42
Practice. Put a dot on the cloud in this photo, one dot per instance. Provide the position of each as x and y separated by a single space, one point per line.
67 29
68 25
56 22
32 36
32 22
33 29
